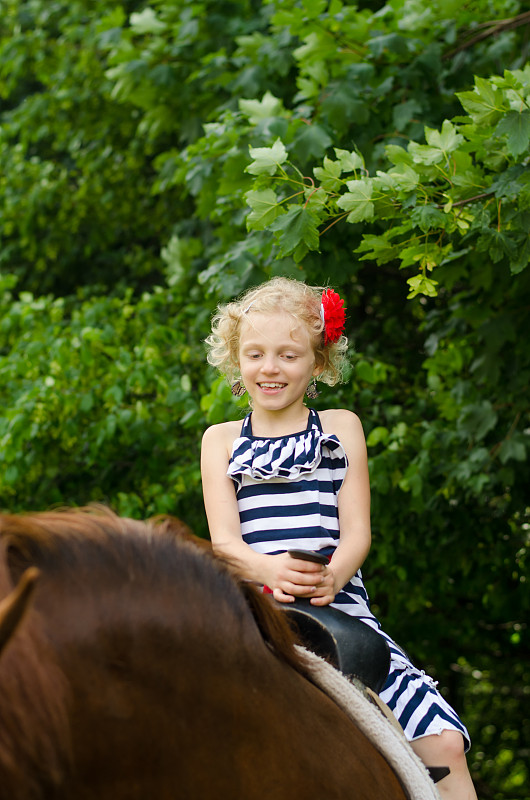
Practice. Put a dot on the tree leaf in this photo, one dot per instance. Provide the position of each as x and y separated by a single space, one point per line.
477 419
299 226
516 127
520 260
328 175
447 139
428 216
377 248
512 449
484 104
377 435
404 177
146 21
265 208
311 141
365 371
358 201
425 154
349 161
257 110
266 160
420 284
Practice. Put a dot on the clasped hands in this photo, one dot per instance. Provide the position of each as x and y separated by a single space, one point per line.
290 577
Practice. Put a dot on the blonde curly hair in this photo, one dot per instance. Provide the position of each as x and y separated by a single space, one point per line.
300 301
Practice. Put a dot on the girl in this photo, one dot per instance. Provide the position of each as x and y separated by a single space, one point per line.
291 478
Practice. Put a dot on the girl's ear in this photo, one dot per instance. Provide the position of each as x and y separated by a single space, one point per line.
318 368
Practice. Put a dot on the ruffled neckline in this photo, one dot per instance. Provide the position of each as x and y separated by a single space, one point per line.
288 456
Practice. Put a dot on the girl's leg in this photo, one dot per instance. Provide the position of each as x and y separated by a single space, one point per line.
447 750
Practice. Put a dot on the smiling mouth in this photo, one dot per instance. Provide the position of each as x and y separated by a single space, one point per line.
268 385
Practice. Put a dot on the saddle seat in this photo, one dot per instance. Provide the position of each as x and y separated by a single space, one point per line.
352 647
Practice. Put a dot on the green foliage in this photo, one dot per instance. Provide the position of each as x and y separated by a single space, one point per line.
157 157
101 397
67 153
467 189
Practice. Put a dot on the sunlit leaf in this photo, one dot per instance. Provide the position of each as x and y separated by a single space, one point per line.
265 208
266 160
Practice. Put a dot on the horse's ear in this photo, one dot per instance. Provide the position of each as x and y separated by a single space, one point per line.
165 523
15 605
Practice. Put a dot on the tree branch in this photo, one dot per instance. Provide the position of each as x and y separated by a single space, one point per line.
468 200
492 29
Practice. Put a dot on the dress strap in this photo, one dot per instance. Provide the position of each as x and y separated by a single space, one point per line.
314 420
246 427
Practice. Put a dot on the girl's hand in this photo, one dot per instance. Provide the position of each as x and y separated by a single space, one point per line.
325 592
290 577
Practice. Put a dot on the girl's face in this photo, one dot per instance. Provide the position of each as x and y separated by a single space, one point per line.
277 362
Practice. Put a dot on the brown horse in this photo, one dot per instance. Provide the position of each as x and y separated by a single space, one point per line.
138 671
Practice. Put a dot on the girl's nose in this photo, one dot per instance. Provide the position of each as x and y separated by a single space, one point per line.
269 366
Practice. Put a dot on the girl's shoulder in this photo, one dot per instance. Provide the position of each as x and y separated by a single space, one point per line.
345 424
222 434
338 418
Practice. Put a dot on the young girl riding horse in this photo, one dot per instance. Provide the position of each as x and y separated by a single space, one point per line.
289 477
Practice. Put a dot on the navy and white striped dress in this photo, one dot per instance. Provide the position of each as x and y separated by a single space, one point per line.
287 493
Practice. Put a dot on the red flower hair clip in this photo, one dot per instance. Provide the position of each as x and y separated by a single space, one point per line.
333 315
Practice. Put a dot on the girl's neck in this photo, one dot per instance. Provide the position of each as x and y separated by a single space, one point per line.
271 424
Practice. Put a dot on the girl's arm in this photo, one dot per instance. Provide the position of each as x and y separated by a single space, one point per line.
353 506
286 576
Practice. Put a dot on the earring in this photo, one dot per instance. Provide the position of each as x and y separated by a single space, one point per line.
237 388
312 391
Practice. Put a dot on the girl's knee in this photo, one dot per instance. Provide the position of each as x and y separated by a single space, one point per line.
451 745
446 748
449 751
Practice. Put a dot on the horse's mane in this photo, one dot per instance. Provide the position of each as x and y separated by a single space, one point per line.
98 566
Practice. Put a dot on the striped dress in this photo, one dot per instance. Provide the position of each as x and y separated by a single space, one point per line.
287 493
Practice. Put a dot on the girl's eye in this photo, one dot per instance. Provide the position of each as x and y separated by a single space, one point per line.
289 356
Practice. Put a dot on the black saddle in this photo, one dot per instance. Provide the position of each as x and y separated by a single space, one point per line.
351 646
